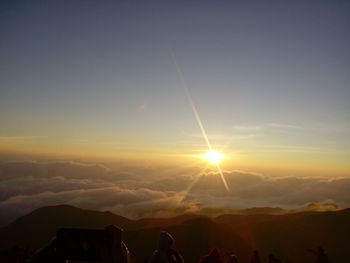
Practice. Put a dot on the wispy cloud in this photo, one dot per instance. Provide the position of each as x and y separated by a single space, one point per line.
20 139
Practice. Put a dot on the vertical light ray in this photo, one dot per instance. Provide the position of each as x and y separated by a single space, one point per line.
222 177
183 194
189 97
196 114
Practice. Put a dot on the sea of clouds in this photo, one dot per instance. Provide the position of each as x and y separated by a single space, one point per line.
140 191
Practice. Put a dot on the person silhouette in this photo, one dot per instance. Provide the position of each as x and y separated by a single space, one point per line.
321 256
255 258
119 251
232 258
165 253
273 259
212 257
114 251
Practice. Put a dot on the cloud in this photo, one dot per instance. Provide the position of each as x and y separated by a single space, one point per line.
320 207
97 198
138 191
256 190
52 169
126 190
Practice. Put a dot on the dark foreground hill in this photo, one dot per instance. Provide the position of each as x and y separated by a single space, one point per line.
287 236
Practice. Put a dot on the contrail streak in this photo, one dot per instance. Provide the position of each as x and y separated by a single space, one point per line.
195 112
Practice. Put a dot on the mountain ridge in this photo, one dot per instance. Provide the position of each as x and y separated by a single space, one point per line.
287 235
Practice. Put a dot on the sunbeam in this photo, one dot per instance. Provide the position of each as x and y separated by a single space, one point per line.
197 117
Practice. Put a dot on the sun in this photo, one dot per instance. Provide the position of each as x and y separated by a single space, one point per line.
213 157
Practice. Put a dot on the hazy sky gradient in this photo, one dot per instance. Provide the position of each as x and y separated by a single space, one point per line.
270 80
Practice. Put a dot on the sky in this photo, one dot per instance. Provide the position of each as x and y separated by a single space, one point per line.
113 81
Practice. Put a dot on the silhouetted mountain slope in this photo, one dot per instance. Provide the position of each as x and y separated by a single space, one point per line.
330 230
287 236
214 212
164 222
39 226
291 235
194 238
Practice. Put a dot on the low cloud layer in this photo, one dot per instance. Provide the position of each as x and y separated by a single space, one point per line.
143 191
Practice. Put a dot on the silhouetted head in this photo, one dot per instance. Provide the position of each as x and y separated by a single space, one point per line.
165 240
116 232
232 257
212 257
320 250
214 253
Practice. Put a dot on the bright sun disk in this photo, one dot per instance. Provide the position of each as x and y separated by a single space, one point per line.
213 157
